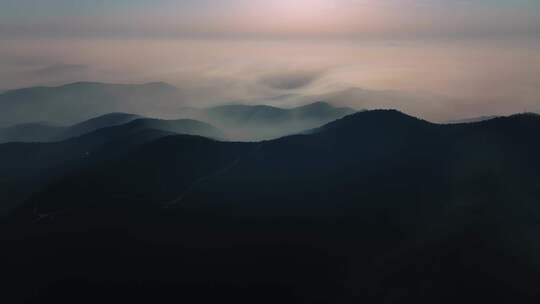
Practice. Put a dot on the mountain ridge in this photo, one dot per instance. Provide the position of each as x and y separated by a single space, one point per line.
263 122
75 102
390 198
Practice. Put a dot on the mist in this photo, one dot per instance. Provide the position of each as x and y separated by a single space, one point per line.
436 79
441 60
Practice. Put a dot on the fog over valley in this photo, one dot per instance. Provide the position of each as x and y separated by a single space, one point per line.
436 79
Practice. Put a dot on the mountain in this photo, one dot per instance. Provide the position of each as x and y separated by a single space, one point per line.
42 132
152 172
375 205
18 158
472 119
30 132
415 102
93 124
27 167
72 103
260 122
125 123
180 126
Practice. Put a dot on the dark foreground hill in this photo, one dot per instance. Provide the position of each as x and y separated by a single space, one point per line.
25 167
375 207
30 132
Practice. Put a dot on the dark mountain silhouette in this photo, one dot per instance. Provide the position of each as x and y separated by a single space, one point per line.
125 122
180 126
30 132
72 103
259 122
375 207
104 121
29 165
41 132
471 119
17 159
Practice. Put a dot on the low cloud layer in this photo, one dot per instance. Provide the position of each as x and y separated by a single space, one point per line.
447 58
61 70
290 81
437 79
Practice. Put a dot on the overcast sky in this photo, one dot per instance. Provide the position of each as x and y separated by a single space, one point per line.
318 18
478 56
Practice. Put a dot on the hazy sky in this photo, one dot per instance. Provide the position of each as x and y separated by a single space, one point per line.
270 17
464 57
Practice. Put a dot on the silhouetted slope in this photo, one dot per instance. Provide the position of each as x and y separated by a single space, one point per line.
30 132
262 114
472 119
17 158
181 126
76 102
377 206
104 121
387 149
28 166
156 172
40 132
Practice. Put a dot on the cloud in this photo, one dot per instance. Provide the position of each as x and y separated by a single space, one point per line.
467 78
60 70
291 80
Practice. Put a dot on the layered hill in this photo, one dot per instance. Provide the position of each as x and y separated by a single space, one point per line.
43 132
26 167
261 122
100 104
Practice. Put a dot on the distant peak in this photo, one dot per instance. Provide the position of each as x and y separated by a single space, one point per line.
94 84
384 113
162 85
243 107
82 83
117 114
317 104
375 116
527 114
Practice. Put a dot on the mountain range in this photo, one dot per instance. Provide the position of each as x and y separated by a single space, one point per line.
46 132
261 122
27 166
76 102
377 206
46 114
